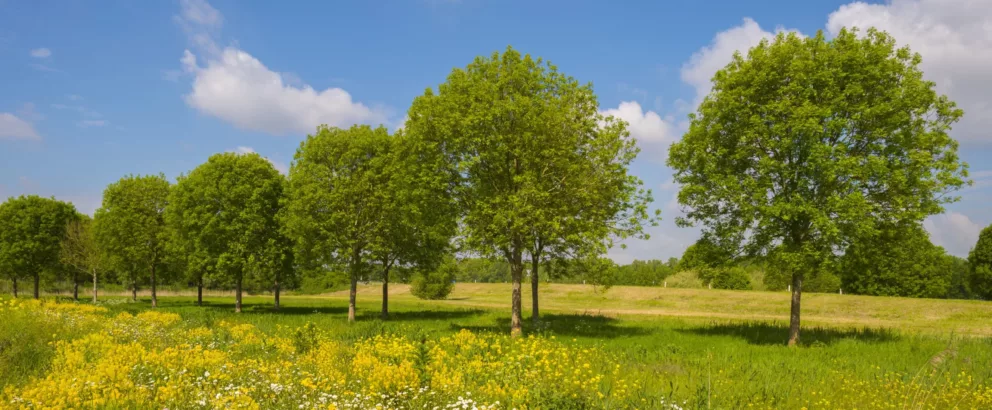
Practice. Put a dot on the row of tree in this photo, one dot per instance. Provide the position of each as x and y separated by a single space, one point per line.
805 149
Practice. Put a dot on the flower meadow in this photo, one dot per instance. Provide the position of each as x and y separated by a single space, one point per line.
97 358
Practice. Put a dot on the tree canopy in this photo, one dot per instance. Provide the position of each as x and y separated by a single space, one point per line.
535 169
807 143
225 214
131 228
980 259
897 261
31 231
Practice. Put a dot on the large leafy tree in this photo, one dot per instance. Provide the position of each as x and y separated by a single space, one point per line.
361 199
807 143
81 253
130 228
31 231
224 213
897 261
980 261
535 169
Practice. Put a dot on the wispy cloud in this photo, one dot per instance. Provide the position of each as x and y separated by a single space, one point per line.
41 53
92 123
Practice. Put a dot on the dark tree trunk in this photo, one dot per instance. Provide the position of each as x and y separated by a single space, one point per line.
94 285
516 275
134 292
275 292
199 293
37 285
154 296
535 259
15 287
75 289
797 286
352 293
237 297
385 293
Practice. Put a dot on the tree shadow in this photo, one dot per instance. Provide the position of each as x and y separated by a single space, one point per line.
568 325
762 333
404 316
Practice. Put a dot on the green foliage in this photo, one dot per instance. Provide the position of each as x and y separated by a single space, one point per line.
731 277
807 144
483 270
643 273
823 281
130 226
704 254
687 279
980 259
31 231
532 164
960 278
317 281
898 261
224 216
436 284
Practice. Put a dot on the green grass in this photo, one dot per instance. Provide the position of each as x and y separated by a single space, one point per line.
716 348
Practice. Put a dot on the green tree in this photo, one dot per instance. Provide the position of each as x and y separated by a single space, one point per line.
808 143
31 231
704 253
338 198
980 259
80 252
225 214
536 170
435 284
130 228
898 261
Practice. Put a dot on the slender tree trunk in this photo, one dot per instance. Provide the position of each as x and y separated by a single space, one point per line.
154 296
797 285
276 293
134 291
535 259
351 298
75 289
15 287
516 274
94 285
37 285
199 293
237 297
385 293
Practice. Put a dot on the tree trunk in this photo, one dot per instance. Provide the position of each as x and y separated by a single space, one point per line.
276 294
516 274
134 292
154 296
15 287
75 289
199 293
385 293
94 286
37 285
237 297
351 298
797 285
535 259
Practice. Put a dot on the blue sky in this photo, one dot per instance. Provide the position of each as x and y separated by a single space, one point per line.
91 93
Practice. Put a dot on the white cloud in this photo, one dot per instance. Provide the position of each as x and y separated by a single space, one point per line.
16 128
703 65
41 53
239 89
652 132
955 39
279 166
74 97
45 68
954 231
92 123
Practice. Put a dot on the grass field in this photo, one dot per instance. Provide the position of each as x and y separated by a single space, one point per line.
648 347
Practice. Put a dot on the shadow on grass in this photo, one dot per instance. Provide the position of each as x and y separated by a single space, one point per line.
758 333
405 316
567 325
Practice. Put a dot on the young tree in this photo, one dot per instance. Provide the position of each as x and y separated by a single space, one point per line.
809 143
980 259
898 261
80 252
224 213
31 229
535 169
130 228
356 200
